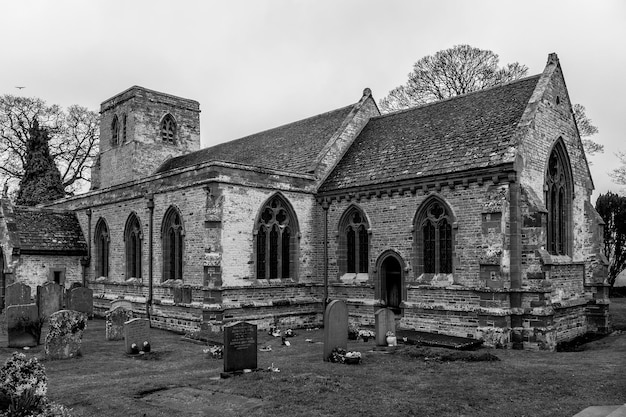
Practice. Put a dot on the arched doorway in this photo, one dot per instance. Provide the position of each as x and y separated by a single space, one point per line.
391 282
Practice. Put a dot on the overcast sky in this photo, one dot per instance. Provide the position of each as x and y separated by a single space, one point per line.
258 64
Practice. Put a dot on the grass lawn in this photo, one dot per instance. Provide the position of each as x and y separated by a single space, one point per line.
179 379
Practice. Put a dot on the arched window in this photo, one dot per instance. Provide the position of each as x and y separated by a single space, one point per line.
172 237
353 247
115 131
132 240
168 129
434 237
558 195
102 241
124 121
276 244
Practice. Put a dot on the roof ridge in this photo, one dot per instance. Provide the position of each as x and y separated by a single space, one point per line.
432 103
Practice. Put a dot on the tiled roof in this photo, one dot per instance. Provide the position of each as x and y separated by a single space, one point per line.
466 132
46 230
292 147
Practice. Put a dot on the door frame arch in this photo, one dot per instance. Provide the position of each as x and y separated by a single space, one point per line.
381 283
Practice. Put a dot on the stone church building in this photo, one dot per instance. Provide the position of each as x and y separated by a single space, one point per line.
469 216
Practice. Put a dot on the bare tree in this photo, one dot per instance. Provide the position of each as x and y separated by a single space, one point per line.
451 72
619 174
463 69
73 143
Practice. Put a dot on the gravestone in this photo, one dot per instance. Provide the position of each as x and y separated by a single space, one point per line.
335 327
240 346
81 299
136 331
49 299
115 319
121 303
65 334
385 320
17 293
22 322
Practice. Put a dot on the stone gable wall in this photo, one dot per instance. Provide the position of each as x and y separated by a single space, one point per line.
34 270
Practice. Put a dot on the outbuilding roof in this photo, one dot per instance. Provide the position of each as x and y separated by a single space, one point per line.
45 230
472 131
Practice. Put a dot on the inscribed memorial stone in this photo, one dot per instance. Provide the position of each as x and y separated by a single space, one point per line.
49 299
115 320
385 322
335 327
136 331
65 334
17 293
240 346
21 322
81 299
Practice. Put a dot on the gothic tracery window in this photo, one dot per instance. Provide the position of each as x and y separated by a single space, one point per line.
102 240
172 242
434 240
276 241
132 238
168 129
353 242
558 200
124 122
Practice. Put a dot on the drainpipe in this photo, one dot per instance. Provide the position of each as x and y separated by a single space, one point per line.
86 262
325 206
150 206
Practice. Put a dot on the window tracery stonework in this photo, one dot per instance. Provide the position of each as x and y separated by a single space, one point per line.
276 245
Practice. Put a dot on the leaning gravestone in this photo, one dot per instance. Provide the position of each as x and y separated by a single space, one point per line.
81 299
49 299
385 320
240 346
22 325
115 319
335 327
17 293
65 334
136 331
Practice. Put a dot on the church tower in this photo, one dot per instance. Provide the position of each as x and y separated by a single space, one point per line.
139 130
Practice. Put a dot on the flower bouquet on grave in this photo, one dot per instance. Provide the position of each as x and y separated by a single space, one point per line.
352 358
214 352
353 332
337 355
391 339
289 333
366 335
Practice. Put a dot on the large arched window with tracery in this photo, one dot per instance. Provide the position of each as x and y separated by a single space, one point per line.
276 243
353 244
102 241
172 235
558 197
168 129
434 238
132 241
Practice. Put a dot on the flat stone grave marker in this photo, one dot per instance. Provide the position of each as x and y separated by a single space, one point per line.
240 346
21 322
121 303
335 327
136 331
17 293
115 319
81 299
49 299
65 334
385 320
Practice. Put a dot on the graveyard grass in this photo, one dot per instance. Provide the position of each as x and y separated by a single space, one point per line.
178 378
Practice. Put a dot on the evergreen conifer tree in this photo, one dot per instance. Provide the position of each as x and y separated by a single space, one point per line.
42 181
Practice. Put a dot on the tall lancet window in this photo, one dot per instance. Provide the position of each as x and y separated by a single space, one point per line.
172 235
558 197
132 240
